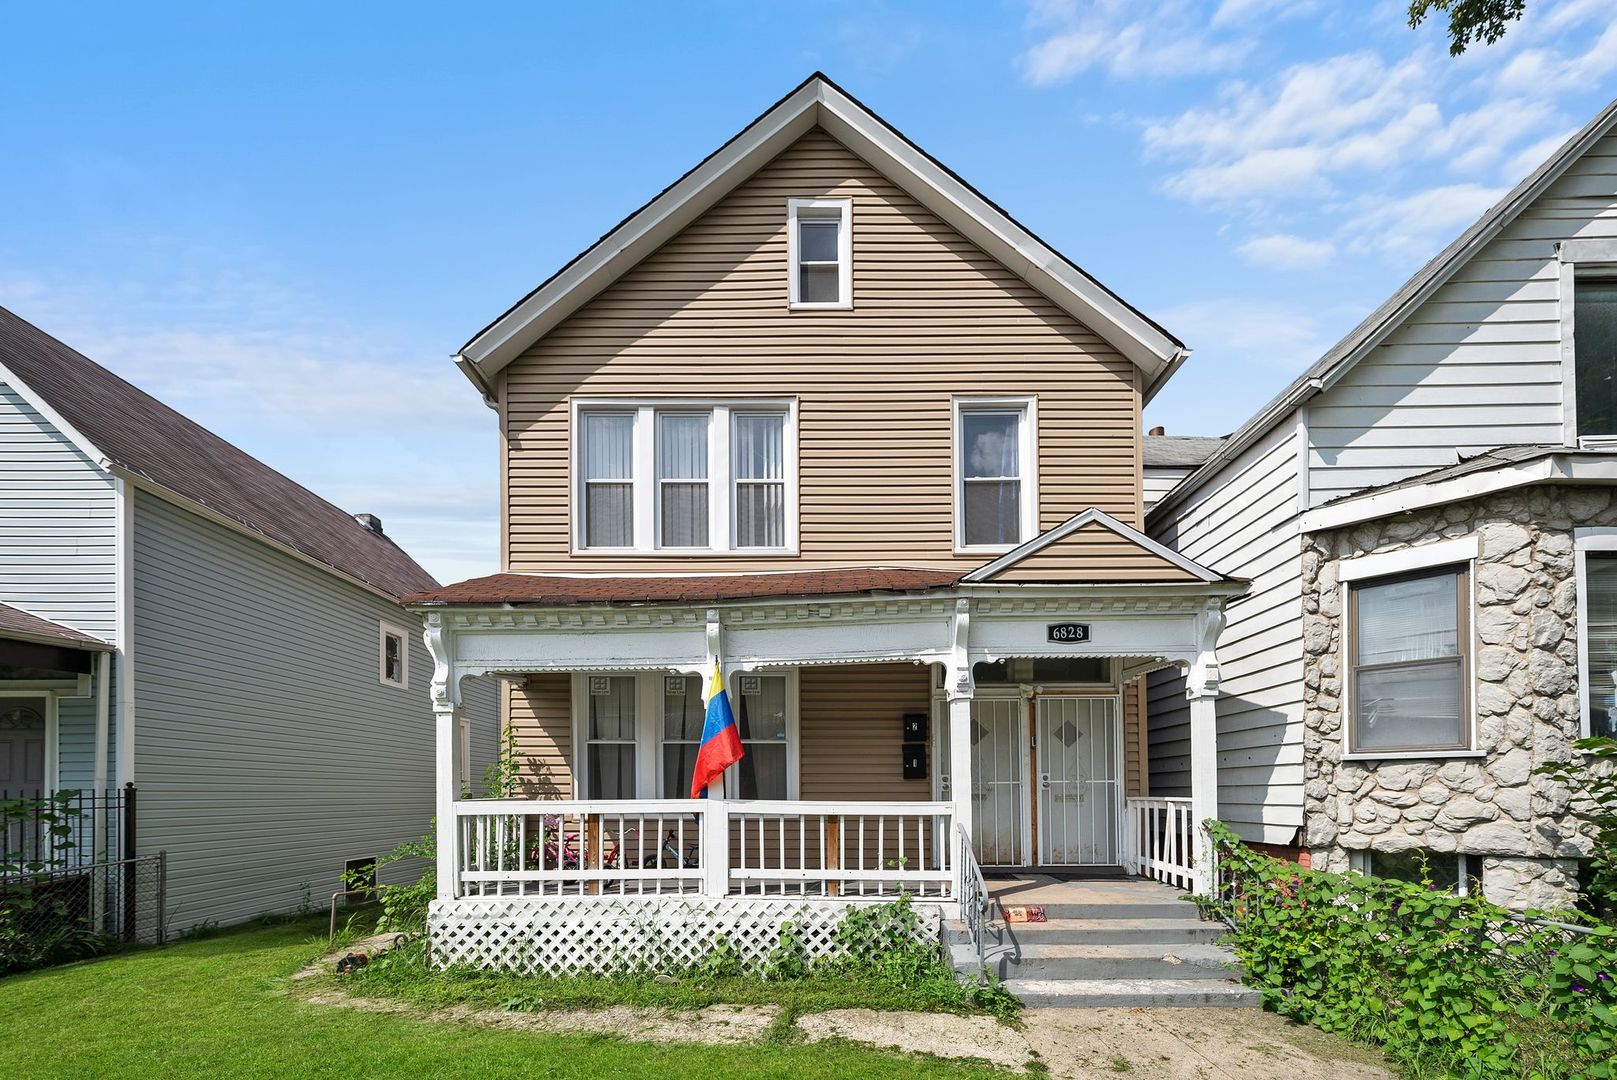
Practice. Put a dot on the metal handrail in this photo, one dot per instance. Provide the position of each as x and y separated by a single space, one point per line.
974 896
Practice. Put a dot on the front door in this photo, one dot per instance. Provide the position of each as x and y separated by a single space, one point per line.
1078 747
1071 747
22 747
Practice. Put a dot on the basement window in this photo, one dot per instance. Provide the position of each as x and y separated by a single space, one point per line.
1457 873
819 246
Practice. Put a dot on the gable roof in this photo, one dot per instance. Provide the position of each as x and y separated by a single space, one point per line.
819 102
1092 517
124 429
19 625
1381 322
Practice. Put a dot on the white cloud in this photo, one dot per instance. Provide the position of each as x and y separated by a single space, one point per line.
1287 251
1128 39
1416 224
1236 332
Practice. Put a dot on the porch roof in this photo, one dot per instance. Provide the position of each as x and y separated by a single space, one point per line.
19 625
561 590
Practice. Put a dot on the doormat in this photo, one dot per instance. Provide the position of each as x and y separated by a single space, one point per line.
1026 913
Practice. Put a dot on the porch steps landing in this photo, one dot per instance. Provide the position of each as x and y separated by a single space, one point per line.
1120 942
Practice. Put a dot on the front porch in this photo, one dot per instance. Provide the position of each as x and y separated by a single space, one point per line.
895 743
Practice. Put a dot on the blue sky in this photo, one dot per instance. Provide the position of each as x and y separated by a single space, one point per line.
283 220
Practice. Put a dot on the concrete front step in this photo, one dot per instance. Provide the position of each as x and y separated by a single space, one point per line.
1097 931
1132 993
1148 909
1155 960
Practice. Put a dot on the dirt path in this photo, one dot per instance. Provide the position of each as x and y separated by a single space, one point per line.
1163 1044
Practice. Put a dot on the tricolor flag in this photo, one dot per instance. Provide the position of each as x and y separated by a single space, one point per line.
721 739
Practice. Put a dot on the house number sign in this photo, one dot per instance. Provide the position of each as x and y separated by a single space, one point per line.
1067 633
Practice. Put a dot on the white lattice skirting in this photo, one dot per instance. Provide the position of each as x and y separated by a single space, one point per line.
609 934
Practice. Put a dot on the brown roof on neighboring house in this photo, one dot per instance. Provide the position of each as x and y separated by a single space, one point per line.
17 624
558 590
142 436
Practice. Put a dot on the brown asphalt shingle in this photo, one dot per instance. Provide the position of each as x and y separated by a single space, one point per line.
557 590
17 623
145 437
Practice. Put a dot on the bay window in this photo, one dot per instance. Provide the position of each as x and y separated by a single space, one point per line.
685 476
1408 650
996 491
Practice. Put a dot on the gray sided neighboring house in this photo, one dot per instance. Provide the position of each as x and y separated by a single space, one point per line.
245 695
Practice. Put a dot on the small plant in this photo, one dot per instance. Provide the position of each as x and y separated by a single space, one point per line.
1592 776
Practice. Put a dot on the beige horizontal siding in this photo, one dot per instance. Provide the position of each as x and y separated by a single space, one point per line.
540 710
1095 553
933 317
1134 746
850 728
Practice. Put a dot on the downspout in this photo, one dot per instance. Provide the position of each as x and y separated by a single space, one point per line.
124 732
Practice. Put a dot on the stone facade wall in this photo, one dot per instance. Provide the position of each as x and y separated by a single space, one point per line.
1524 683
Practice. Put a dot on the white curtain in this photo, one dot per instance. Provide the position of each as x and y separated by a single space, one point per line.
758 451
990 459
608 479
682 478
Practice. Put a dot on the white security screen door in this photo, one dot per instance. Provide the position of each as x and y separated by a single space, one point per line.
1079 748
999 798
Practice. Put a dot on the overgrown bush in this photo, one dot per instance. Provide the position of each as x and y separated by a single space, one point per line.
1592 776
44 916
1446 984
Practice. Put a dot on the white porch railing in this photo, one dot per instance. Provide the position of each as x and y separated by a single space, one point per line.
1159 840
716 848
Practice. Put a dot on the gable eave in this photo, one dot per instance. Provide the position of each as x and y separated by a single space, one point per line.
818 102
1092 516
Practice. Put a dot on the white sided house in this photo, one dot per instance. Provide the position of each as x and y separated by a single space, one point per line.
210 655
822 417
1426 518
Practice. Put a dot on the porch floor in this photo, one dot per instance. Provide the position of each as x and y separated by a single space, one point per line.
1042 890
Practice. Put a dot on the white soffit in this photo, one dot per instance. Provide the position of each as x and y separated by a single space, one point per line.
819 102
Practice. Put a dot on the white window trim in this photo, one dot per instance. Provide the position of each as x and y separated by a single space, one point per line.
1581 256
383 630
1028 449
1362 861
1457 552
648 728
1603 539
824 209
720 474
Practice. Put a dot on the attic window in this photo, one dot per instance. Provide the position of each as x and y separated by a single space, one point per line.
394 659
820 249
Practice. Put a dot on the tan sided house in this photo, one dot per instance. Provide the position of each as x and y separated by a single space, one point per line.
823 416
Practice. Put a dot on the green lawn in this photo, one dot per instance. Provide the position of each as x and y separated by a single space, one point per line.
221 1007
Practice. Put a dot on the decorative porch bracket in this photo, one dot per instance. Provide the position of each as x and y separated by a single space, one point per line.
446 734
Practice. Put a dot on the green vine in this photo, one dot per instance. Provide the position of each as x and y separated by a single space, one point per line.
1446 984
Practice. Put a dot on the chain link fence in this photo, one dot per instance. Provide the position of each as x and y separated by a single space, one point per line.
54 916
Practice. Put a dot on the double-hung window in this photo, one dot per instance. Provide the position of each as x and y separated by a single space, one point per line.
820 252
996 491
1597 621
685 476
1408 670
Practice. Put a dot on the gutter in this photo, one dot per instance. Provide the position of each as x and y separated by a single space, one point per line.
469 368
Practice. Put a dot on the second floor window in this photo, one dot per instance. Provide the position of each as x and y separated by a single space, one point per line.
995 496
820 250
1594 344
685 478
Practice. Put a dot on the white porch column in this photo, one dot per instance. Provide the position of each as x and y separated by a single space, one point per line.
446 779
959 687
715 812
1201 688
447 783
